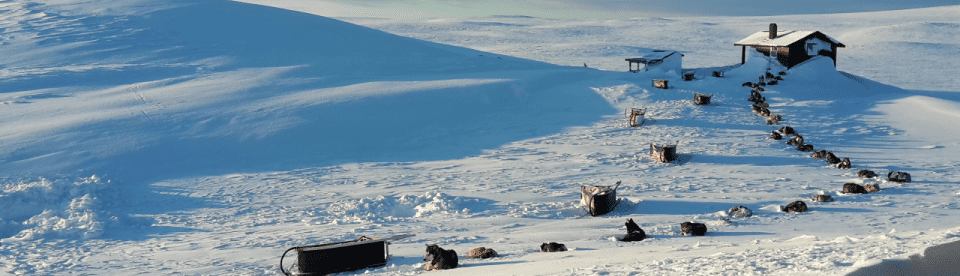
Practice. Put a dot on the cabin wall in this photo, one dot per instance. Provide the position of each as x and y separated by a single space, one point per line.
783 53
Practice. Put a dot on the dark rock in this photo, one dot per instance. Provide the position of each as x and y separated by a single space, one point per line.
820 154
872 187
866 174
805 147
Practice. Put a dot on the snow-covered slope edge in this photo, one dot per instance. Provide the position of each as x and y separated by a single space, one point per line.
141 91
182 88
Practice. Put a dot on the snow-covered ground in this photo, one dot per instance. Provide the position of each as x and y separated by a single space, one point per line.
181 137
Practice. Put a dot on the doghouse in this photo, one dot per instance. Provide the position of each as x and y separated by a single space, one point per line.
634 116
662 84
701 99
343 256
665 153
599 200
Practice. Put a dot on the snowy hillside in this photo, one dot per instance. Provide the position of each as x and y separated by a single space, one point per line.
185 137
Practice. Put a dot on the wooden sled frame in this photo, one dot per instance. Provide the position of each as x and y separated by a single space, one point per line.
635 116
599 199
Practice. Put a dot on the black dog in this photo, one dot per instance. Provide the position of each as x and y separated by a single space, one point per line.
796 141
831 158
438 258
853 188
693 228
866 174
797 206
553 247
786 130
775 135
844 164
634 233
898 177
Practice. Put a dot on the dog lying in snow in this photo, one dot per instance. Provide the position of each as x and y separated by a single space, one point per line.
740 212
853 188
898 177
693 228
831 158
796 206
787 131
634 233
439 258
553 247
482 253
796 141
822 198
844 164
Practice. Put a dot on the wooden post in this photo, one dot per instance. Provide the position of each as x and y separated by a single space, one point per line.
743 54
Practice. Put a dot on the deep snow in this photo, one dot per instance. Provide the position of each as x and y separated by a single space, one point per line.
164 137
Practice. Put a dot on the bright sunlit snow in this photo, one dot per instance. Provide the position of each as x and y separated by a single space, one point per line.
207 137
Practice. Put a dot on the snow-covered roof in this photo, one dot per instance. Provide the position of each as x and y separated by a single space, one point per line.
655 55
784 38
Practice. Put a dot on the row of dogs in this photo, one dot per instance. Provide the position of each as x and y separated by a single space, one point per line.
438 258
759 106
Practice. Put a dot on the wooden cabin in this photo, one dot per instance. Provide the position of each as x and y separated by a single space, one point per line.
790 47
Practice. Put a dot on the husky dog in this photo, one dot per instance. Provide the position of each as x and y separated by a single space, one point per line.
438 258
693 228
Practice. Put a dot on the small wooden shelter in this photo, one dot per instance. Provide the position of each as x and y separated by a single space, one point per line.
657 59
790 47
634 116
663 153
659 83
701 99
599 200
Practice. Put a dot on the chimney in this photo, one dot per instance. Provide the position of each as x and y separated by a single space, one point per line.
773 30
